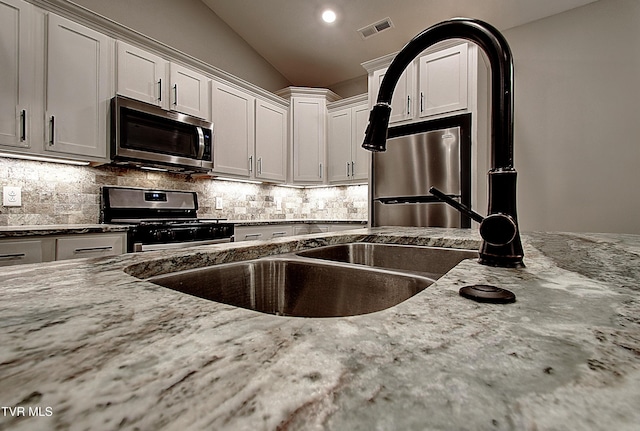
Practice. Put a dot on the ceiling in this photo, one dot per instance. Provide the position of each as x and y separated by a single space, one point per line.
290 35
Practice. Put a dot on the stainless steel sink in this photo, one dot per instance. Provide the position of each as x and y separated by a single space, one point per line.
432 262
292 286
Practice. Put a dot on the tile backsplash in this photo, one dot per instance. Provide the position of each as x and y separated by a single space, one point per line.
65 194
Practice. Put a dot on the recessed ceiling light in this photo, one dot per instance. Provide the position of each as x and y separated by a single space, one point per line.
328 16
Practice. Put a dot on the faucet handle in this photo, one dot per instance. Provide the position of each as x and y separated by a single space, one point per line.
457 205
496 229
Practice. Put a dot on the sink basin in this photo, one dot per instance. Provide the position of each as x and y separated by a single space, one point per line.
432 262
297 287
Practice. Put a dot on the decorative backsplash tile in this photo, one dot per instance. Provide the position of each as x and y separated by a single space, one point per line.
65 194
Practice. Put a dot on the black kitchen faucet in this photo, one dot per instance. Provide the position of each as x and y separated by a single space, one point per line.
501 244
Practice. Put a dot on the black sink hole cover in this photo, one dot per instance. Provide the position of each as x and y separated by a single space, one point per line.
488 293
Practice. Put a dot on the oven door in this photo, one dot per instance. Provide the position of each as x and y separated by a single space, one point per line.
145 133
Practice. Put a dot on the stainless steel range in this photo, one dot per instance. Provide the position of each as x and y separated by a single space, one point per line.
161 219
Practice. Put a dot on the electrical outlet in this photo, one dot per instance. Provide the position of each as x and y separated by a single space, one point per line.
218 203
11 196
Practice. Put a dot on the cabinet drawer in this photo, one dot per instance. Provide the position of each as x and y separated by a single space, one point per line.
89 246
18 252
249 233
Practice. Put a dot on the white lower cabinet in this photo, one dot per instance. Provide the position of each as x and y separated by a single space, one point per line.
272 231
73 247
49 248
263 232
14 252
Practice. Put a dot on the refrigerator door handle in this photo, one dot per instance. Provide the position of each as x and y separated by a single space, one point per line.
392 200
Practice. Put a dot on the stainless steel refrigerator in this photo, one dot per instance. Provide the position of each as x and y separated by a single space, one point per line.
431 153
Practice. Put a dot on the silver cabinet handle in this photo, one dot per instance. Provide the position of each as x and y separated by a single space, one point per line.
348 169
92 249
253 235
160 90
13 256
408 105
175 94
250 164
278 234
260 166
421 101
353 169
23 125
320 170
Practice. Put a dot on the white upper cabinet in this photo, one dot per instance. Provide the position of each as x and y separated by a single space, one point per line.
233 127
189 92
361 158
307 133
150 78
271 141
309 119
17 72
434 84
78 88
347 161
443 81
141 75
402 101
250 135
339 143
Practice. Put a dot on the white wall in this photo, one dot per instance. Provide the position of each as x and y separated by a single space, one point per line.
191 27
577 122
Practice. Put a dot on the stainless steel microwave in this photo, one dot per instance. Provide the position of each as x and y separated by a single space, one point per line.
147 136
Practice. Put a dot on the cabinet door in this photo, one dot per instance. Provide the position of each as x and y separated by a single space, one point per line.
402 104
16 70
189 92
233 126
77 92
339 145
271 141
141 75
308 139
443 81
360 157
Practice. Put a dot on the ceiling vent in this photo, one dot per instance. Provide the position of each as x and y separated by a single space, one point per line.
375 28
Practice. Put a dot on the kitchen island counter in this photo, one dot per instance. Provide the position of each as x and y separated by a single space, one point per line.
86 345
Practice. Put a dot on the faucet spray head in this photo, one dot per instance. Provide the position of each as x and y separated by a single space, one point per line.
375 138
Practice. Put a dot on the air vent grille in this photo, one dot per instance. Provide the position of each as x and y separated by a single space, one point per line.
375 28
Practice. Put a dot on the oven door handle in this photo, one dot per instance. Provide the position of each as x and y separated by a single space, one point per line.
200 143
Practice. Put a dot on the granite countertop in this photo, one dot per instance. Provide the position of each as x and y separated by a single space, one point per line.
86 345
70 229
295 221
59 229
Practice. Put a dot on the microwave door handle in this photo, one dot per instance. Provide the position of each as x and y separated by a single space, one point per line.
200 143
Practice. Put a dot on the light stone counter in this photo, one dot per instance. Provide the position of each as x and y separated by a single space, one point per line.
59 229
88 346
297 221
